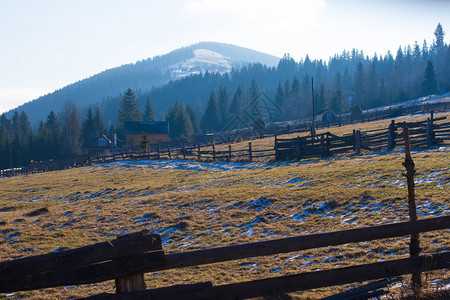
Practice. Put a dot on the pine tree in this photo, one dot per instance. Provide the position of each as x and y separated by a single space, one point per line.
279 100
40 142
360 87
338 99
439 34
256 102
237 107
193 116
149 114
89 130
321 101
129 112
71 131
429 84
224 105
98 121
180 123
211 118
54 129
5 145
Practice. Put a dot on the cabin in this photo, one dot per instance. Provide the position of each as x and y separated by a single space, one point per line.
327 115
100 145
156 132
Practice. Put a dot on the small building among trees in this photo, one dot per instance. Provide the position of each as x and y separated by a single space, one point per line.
327 115
150 132
100 146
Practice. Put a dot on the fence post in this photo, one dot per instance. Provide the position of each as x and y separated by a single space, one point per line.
184 150
130 283
168 149
214 151
358 142
429 133
276 148
229 152
159 151
414 248
322 144
391 135
250 151
198 152
328 146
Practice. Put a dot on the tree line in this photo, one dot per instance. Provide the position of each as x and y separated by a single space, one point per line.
253 93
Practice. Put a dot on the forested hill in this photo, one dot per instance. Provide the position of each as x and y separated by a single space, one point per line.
344 81
144 75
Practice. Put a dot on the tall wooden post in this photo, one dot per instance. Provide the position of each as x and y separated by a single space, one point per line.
229 152
168 150
199 155
184 150
276 148
414 248
214 151
250 156
391 135
297 147
358 142
429 133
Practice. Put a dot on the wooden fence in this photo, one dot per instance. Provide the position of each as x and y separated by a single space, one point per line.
425 133
125 259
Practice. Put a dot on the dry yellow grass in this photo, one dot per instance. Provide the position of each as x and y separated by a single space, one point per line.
195 208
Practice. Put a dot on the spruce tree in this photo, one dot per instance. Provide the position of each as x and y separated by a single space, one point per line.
256 102
211 119
53 127
129 112
224 105
360 87
149 114
338 99
100 125
429 84
439 35
237 107
88 130
5 144
71 143
193 116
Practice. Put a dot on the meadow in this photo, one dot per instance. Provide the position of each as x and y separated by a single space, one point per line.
197 205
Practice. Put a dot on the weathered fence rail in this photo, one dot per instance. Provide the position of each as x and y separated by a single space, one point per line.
425 133
128 257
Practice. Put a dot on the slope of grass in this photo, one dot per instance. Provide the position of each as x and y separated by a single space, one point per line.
195 206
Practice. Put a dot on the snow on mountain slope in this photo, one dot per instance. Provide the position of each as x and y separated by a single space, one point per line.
204 60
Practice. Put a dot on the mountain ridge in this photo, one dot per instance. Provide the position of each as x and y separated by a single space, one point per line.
144 75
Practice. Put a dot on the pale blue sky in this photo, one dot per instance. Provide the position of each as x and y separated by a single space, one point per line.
47 44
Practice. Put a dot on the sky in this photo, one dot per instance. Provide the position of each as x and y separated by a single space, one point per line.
48 44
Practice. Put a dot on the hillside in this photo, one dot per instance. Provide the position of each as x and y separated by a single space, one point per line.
146 74
195 205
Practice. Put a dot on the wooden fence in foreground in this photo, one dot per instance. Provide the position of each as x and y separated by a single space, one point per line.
125 259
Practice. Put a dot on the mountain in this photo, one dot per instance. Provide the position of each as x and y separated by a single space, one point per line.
145 75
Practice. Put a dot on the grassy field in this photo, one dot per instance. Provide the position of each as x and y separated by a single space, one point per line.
199 205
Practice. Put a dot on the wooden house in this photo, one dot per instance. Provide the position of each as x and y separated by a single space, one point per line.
100 145
156 132
327 115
